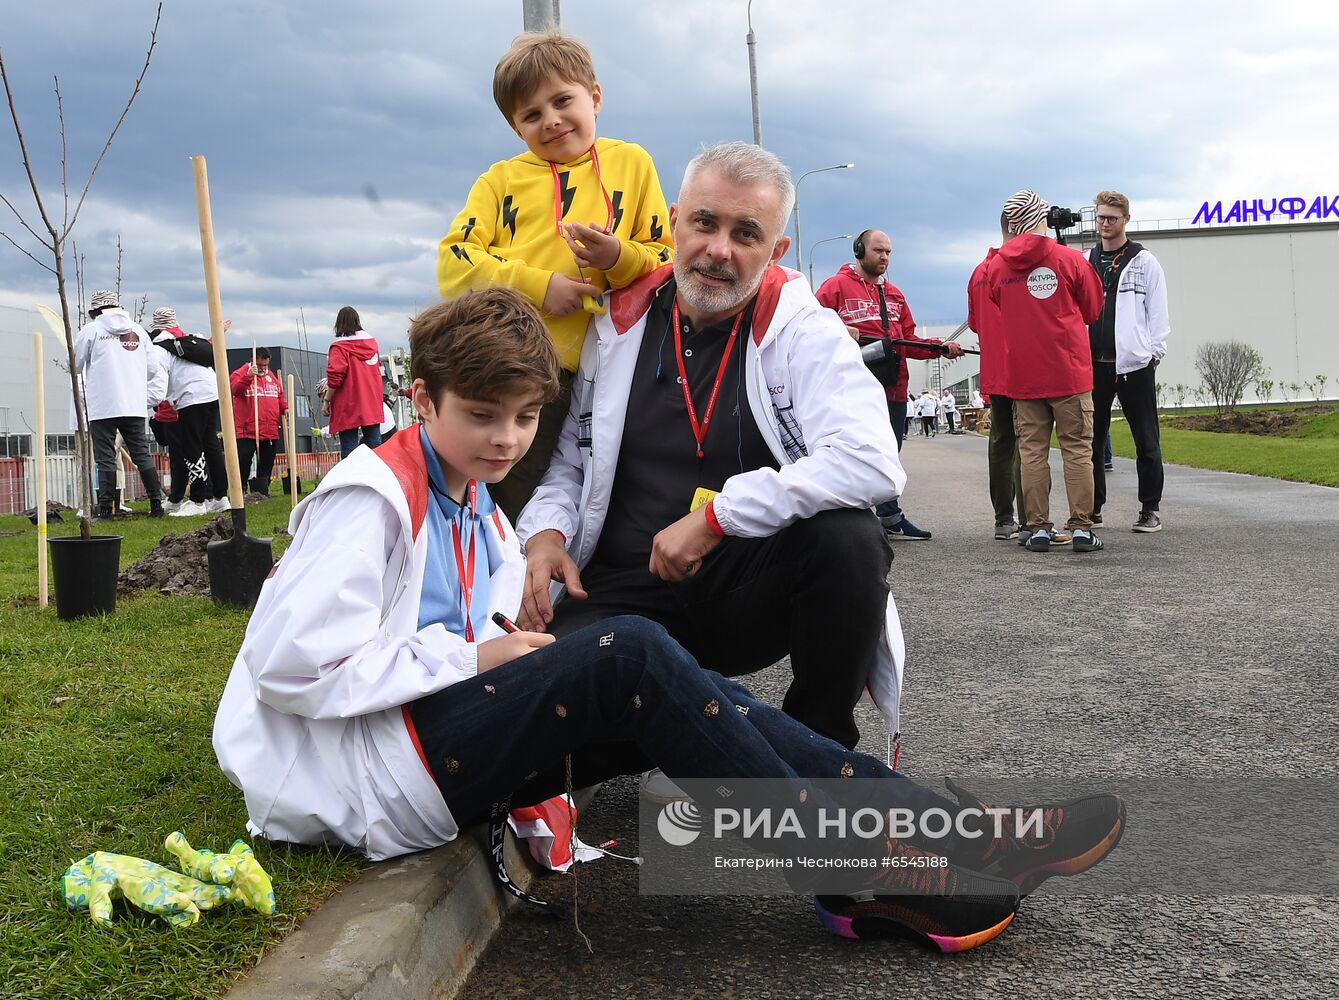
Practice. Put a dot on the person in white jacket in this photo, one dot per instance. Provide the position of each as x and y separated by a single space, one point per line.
382 700
1128 340
948 406
123 379
723 448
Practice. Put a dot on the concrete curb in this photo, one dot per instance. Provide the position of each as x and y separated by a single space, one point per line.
412 927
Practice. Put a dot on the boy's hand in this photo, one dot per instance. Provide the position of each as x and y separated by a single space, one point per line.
677 551
504 649
592 247
564 294
546 560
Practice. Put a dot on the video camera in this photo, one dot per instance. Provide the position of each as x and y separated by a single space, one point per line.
1061 218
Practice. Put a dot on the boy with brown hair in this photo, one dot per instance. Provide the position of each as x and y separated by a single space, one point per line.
561 223
380 700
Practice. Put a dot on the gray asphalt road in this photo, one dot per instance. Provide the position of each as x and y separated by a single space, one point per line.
1205 651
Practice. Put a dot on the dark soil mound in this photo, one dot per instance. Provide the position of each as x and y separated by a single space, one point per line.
178 564
1267 423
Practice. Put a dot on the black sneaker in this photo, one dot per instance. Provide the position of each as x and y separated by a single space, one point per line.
949 907
105 513
1148 523
156 509
1097 520
1038 541
1086 541
1006 531
1110 467
1075 835
905 529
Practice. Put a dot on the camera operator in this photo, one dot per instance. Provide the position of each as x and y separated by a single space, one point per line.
1128 341
873 308
1047 295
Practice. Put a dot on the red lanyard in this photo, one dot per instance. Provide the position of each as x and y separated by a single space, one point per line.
700 430
464 567
558 195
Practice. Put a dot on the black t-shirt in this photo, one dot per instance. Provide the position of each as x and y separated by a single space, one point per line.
658 468
1102 334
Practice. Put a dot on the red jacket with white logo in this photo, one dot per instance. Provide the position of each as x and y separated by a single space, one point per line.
856 301
268 391
1047 295
353 370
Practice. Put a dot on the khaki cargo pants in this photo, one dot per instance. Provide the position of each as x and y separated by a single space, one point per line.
1072 417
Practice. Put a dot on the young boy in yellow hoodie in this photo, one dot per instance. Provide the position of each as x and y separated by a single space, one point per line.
561 223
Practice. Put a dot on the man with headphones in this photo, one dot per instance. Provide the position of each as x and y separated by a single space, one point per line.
873 308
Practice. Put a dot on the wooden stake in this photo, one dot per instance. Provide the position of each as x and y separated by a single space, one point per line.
216 330
40 474
291 444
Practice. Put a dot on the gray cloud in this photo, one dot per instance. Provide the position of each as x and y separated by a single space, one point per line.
304 107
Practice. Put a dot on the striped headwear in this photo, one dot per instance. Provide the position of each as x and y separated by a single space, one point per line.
1025 210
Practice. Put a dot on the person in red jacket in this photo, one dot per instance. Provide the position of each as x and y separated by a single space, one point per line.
353 384
983 318
257 391
873 308
1047 294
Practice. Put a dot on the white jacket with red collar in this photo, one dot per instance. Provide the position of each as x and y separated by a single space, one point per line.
821 412
310 726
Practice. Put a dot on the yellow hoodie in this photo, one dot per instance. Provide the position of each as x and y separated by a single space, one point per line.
507 232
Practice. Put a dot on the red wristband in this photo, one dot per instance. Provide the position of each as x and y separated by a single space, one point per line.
712 523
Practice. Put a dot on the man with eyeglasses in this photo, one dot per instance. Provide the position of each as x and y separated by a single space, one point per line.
1128 340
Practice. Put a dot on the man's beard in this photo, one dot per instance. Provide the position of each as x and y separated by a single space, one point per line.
874 275
710 298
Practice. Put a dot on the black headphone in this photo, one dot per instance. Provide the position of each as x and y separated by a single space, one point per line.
859 245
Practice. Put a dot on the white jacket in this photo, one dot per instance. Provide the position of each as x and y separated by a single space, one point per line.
1142 321
821 412
310 726
187 382
948 403
123 375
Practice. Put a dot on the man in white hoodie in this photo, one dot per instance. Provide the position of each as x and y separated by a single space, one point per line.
716 469
1128 340
123 377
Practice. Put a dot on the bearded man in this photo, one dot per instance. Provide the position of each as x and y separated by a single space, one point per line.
718 464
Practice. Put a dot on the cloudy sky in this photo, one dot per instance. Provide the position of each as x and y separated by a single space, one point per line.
342 137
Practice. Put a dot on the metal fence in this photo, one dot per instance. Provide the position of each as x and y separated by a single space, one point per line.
18 477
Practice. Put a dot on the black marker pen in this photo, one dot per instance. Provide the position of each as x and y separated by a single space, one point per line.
505 623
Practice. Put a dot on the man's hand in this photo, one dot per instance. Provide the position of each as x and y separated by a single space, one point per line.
564 294
592 247
677 551
954 349
506 648
855 334
546 560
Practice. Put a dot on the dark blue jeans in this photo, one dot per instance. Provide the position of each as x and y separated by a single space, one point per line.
621 697
348 439
889 512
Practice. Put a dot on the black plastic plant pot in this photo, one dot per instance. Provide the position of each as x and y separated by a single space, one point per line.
84 572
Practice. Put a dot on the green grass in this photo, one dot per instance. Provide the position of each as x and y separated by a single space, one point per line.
1309 456
105 745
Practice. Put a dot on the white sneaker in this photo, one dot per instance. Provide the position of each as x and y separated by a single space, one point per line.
188 508
218 506
657 786
171 507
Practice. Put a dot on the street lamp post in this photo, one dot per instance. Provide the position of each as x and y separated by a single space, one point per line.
815 246
753 78
540 15
799 263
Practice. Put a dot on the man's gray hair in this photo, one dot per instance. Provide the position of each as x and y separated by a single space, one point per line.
745 163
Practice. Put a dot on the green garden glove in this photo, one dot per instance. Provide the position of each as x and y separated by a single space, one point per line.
251 886
100 878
